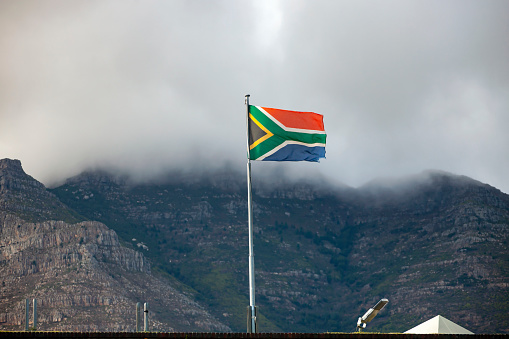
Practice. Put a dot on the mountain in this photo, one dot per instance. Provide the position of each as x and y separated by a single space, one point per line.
22 195
434 243
80 274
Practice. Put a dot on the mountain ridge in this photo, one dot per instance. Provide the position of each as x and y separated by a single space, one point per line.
323 239
78 270
322 256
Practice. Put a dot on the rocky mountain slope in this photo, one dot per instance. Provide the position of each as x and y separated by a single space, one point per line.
432 244
435 243
22 195
80 274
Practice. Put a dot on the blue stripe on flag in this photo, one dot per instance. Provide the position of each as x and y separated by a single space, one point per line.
295 152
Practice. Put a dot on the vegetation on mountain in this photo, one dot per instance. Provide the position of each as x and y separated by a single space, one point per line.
80 274
432 244
435 243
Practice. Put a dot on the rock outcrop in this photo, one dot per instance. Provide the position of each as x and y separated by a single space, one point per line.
80 274
22 195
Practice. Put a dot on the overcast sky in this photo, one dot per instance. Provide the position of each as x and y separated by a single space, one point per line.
147 86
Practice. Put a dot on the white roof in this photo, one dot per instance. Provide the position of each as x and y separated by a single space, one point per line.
440 325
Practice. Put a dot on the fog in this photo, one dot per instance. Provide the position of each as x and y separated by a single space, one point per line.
143 88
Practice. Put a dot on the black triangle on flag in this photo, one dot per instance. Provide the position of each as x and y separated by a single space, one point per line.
255 132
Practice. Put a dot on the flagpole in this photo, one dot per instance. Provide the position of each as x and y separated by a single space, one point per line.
251 309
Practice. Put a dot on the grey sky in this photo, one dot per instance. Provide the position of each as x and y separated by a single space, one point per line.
147 86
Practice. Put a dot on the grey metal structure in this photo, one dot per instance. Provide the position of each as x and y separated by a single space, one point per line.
35 314
371 313
250 317
251 314
145 317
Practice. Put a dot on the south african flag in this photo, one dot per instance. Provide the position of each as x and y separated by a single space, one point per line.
280 135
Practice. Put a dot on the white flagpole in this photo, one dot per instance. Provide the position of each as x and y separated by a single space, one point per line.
251 314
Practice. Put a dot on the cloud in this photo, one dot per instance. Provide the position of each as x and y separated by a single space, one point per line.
145 87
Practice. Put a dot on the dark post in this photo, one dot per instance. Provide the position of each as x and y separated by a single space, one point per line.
138 306
27 314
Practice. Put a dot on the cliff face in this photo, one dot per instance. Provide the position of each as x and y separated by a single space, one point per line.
432 244
81 276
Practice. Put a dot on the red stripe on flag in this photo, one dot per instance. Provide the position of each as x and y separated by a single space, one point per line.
293 119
